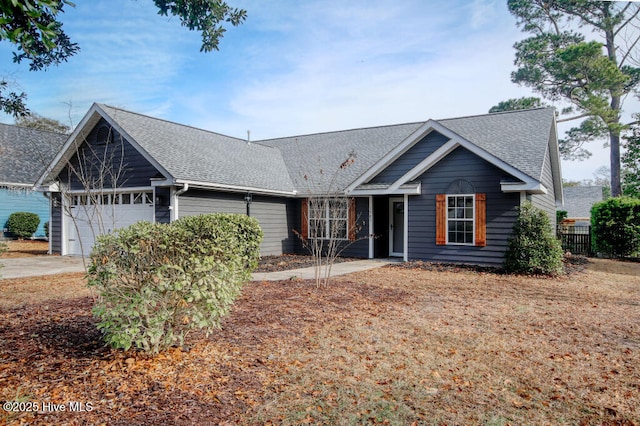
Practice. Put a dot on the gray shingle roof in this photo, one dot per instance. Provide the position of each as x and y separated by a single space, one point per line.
319 156
578 200
198 155
25 152
311 162
518 138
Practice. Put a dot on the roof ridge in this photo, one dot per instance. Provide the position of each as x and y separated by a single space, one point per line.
514 111
172 122
34 129
343 131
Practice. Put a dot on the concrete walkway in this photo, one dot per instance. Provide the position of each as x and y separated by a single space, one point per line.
337 269
48 265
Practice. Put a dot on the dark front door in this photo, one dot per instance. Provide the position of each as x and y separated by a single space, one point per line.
396 227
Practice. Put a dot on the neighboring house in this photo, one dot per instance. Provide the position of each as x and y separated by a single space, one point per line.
440 190
578 201
24 154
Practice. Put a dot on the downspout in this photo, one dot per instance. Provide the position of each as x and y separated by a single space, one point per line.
178 193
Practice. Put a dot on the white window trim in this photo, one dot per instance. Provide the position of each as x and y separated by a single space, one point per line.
327 220
473 220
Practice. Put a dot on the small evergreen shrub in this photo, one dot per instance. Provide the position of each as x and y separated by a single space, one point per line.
615 226
23 224
156 282
533 247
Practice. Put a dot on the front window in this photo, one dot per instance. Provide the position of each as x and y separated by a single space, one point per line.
460 219
328 218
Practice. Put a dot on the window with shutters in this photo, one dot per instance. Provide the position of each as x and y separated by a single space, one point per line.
461 219
329 218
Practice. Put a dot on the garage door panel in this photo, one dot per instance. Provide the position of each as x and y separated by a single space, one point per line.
86 222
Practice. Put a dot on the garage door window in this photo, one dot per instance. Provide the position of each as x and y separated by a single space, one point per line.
108 199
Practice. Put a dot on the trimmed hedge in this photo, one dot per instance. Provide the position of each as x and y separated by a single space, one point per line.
157 282
23 224
533 247
615 226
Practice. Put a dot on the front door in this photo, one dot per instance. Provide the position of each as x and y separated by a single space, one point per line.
396 227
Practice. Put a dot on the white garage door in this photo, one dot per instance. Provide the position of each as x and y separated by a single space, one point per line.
91 216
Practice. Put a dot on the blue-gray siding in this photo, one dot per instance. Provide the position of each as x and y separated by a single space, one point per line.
116 162
55 227
414 155
547 202
276 215
23 200
500 207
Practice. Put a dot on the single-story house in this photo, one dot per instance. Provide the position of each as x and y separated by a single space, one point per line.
438 190
578 201
24 155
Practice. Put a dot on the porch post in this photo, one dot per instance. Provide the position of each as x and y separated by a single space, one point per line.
406 228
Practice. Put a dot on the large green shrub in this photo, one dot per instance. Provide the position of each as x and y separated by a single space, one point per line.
156 283
533 247
23 224
615 226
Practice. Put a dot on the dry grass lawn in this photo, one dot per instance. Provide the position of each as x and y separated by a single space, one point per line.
389 346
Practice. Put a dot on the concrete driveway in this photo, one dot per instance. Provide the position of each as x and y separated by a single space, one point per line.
39 265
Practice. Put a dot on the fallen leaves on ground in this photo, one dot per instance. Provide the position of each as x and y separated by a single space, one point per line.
391 345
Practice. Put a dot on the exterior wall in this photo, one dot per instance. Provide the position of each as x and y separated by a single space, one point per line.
547 202
418 152
55 226
162 212
123 159
23 200
501 211
275 215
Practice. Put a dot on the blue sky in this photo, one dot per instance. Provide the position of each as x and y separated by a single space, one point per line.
294 67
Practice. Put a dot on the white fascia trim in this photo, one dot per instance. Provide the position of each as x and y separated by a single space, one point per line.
77 137
234 188
396 152
417 190
528 187
66 151
134 143
15 185
426 164
161 182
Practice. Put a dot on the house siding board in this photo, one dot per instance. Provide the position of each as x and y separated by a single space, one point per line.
23 200
546 202
133 171
275 215
162 212
501 211
360 247
417 153
55 227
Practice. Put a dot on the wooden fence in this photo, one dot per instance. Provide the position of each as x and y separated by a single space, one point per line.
576 239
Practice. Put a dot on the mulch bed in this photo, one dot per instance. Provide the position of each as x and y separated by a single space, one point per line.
286 262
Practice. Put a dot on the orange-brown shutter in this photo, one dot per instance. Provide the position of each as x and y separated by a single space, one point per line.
304 218
351 219
481 220
441 219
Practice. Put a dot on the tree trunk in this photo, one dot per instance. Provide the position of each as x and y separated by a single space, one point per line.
616 188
